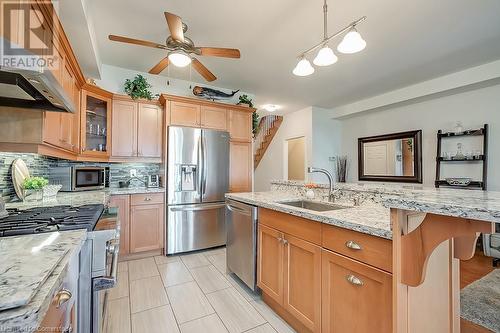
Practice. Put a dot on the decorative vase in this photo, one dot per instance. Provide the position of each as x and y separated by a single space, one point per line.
33 195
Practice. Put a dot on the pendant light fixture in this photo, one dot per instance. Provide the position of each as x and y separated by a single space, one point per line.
352 43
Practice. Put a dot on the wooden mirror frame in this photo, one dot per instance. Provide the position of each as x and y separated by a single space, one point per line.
417 172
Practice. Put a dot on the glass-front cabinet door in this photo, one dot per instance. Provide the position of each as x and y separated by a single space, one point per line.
95 123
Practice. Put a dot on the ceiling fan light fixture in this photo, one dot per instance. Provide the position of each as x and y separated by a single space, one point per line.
352 42
179 58
270 107
325 57
303 68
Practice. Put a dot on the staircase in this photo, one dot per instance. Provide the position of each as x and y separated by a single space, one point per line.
268 126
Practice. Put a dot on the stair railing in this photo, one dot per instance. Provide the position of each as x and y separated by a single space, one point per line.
265 125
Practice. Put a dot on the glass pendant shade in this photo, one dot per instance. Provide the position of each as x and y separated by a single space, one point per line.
325 57
352 43
179 59
303 68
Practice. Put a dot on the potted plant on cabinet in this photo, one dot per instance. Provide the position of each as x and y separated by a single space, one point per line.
139 88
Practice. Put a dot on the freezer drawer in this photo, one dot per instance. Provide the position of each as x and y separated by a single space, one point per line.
195 227
241 247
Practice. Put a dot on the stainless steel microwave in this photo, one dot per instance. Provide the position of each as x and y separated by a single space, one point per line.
79 178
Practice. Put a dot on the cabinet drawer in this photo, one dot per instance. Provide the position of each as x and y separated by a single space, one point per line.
146 199
302 228
368 249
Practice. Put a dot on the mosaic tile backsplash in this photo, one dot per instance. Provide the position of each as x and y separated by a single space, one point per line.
40 166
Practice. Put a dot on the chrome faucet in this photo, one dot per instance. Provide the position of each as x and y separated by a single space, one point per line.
331 192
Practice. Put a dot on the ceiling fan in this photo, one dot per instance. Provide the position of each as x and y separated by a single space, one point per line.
180 49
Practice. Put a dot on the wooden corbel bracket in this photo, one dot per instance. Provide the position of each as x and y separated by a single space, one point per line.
418 245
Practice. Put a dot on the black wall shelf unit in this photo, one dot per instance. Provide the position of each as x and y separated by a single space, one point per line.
476 159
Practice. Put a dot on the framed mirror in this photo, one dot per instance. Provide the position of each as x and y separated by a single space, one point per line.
393 157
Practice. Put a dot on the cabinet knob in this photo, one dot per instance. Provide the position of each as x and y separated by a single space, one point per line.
147 199
354 280
353 245
62 297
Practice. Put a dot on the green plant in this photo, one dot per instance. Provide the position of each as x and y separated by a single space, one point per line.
244 99
255 122
34 183
139 88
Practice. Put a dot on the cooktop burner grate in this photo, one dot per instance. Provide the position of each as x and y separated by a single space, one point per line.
45 219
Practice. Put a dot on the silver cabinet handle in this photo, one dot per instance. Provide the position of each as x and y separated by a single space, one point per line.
285 242
62 297
353 245
147 199
354 280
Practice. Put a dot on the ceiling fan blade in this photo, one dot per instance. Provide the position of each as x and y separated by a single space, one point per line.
159 67
175 26
219 52
136 42
198 66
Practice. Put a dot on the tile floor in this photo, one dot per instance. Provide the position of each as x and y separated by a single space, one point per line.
186 294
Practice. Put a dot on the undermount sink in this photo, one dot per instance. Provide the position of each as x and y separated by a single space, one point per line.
313 205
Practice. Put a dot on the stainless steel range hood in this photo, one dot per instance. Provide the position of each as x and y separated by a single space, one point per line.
33 88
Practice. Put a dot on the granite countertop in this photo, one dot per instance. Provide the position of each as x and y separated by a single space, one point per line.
15 253
369 218
477 205
83 197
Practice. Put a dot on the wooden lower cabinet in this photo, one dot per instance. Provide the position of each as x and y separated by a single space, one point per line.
240 162
270 263
289 272
356 297
146 227
122 202
302 282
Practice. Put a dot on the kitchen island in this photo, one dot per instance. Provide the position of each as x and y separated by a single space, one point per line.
411 280
28 291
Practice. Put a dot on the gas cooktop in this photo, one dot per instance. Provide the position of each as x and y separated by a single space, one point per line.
46 219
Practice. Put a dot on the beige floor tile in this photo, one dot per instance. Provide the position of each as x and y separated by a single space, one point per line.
209 279
118 316
242 288
123 266
142 268
195 260
236 313
146 294
121 288
162 260
208 324
174 273
272 318
157 320
188 302
219 261
266 328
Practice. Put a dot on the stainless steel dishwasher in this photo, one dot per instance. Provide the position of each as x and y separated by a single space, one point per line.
241 243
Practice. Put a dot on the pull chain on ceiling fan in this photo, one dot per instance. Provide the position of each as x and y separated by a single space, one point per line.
180 49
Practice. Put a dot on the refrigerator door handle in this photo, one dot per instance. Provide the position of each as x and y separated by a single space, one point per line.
200 166
204 163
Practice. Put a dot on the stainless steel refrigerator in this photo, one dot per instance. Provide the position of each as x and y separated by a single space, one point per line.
197 179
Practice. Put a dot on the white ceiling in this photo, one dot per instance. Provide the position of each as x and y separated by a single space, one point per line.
408 42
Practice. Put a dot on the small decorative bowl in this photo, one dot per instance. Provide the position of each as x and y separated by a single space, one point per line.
458 181
50 191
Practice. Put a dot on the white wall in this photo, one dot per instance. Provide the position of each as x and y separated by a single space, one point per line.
473 108
113 79
322 136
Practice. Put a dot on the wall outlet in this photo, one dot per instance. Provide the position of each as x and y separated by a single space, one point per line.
133 173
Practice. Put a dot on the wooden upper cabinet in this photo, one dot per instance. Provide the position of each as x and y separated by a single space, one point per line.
356 297
214 118
270 263
149 130
185 114
240 125
124 129
240 166
302 281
